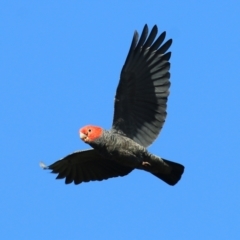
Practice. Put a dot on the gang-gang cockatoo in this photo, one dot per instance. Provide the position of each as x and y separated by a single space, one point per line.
139 114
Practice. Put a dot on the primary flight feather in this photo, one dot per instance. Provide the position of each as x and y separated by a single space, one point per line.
139 114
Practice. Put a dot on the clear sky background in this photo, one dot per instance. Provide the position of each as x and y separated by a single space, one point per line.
59 68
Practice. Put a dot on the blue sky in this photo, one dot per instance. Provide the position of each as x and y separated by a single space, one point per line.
60 63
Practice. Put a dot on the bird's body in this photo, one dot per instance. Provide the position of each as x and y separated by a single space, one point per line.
140 111
119 148
125 151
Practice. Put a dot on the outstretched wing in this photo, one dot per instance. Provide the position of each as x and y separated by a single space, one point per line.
141 97
85 166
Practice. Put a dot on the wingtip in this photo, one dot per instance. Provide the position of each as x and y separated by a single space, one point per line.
145 28
43 165
155 27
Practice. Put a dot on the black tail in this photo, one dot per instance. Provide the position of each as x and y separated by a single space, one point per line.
174 176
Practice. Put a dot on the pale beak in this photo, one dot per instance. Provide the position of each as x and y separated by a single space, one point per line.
83 136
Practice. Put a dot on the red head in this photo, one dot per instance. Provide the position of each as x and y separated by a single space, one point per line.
90 133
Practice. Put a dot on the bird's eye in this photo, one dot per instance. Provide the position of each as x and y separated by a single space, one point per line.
89 130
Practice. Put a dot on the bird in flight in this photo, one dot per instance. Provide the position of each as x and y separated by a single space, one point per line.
139 114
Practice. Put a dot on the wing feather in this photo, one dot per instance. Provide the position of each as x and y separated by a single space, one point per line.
85 166
143 89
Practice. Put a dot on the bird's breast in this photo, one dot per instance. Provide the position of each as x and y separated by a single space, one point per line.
122 149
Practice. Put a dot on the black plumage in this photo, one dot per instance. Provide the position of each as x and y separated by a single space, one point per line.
139 114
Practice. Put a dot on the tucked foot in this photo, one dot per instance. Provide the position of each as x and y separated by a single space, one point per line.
146 164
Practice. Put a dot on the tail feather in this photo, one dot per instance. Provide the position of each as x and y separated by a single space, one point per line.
174 176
